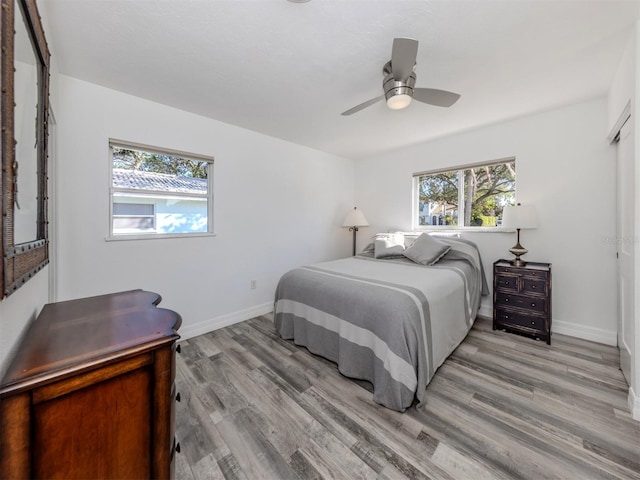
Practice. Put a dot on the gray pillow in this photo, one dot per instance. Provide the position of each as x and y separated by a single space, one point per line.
426 250
389 246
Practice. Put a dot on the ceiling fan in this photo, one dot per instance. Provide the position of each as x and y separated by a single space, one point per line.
400 78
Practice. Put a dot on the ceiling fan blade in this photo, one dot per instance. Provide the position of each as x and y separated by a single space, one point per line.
403 58
366 104
432 96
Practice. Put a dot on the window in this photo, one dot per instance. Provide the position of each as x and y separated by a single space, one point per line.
156 192
133 218
472 196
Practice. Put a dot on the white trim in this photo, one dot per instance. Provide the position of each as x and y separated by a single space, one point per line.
150 236
150 193
457 229
634 404
159 150
53 205
206 326
486 309
599 335
622 119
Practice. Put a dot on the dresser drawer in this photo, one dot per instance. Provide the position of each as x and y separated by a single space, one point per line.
508 317
521 301
507 282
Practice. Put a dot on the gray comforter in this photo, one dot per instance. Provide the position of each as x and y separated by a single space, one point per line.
391 322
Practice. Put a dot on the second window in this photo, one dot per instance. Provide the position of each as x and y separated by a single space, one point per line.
157 192
471 196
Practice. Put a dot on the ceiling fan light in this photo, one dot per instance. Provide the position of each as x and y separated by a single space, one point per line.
398 102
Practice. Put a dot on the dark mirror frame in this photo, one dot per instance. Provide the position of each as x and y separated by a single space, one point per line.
23 261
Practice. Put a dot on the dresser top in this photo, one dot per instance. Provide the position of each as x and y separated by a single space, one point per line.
76 334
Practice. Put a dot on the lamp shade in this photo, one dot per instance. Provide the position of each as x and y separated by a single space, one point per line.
520 216
355 218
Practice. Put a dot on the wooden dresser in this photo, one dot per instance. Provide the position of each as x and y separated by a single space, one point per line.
90 393
522 299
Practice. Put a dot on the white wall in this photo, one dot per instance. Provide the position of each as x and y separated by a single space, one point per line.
276 205
17 311
565 167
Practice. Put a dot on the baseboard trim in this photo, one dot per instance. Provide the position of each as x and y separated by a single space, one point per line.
486 310
206 326
634 404
598 335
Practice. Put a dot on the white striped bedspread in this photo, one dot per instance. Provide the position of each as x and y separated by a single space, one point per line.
391 322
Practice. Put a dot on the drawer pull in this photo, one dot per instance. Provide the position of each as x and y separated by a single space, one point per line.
178 397
533 286
178 349
533 322
506 316
506 299
506 283
533 304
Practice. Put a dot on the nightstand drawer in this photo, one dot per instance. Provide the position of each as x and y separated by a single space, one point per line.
521 301
507 317
534 286
541 274
507 282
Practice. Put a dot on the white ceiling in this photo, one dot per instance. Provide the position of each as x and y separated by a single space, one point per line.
289 69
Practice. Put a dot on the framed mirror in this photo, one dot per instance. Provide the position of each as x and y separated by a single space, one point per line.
24 110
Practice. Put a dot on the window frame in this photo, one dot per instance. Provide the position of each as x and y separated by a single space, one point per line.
459 169
113 143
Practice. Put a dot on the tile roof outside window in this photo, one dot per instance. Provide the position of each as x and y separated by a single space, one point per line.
136 179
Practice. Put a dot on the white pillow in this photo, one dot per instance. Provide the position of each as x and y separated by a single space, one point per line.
427 250
389 246
410 237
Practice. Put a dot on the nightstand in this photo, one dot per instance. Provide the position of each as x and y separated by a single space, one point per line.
522 299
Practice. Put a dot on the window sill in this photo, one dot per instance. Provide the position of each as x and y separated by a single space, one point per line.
118 238
466 229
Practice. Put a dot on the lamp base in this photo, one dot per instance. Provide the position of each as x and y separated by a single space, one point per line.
518 262
518 250
355 230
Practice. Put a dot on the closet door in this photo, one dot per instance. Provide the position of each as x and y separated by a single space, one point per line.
625 245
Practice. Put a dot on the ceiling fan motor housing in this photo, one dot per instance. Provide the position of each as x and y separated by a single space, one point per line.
393 87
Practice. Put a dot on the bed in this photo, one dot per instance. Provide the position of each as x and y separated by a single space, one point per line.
388 315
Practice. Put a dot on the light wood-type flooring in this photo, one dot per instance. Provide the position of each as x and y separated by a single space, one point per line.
501 406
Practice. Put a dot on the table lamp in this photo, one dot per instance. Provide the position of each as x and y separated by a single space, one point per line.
519 217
